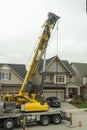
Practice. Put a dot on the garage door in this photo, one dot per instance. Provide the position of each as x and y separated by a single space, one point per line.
58 93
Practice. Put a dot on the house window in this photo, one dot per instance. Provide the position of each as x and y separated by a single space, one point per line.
60 79
5 76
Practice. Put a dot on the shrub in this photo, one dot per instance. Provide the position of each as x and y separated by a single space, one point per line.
77 101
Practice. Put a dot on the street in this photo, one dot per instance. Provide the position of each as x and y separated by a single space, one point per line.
79 120
63 126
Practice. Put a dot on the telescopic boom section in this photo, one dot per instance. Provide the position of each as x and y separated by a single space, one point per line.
38 52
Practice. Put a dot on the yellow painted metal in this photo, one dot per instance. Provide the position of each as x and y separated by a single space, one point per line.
39 50
32 104
35 106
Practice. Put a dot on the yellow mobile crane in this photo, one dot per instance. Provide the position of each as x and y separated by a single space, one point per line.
34 102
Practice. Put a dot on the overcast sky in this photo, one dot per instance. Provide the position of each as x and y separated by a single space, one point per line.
21 23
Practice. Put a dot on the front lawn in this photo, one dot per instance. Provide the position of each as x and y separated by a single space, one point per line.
80 102
84 105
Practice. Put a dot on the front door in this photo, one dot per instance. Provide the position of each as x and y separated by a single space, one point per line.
72 92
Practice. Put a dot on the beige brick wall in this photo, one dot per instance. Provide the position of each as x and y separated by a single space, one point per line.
9 89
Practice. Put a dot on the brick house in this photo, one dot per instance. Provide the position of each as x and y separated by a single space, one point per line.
81 76
11 77
59 77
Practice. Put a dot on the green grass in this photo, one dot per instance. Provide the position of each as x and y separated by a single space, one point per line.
81 105
80 102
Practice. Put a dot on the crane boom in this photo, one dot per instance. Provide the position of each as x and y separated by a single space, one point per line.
34 102
38 52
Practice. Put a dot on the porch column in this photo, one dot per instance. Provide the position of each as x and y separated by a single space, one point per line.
0 90
67 92
78 90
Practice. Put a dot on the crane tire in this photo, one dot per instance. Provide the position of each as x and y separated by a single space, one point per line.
8 124
56 119
45 120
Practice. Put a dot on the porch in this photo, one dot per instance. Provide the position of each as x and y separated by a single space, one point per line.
72 90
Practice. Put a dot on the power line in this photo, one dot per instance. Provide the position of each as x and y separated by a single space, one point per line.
57 38
57 62
86 6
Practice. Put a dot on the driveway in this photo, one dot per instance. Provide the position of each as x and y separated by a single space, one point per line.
78 115
69 108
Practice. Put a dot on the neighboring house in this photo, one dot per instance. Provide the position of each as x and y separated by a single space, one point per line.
81 76
59 78
11 77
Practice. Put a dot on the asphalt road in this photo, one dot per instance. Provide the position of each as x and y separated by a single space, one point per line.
63 126
79 120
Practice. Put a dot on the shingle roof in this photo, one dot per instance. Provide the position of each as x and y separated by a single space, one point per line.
69 67
18 68
81 68
66 64
47 62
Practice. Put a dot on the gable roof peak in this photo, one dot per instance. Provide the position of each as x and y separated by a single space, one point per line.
65 63
18 68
